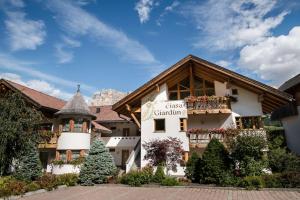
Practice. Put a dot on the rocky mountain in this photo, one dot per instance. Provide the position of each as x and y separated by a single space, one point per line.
106 97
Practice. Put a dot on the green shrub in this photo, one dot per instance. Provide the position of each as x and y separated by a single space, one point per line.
169 181
159 174
272 181
58 162
282 161
67 179
228 179
252 182
48 181
250 167
98 166
138 178
215 162
33 186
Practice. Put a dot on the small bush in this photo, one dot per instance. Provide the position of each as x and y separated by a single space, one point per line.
48 181
138 178
159 174
272 181
194 168
77 161
33 186
228 179
169 181
252 182
67 179
16 187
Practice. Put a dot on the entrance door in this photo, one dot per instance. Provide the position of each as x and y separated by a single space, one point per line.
125 156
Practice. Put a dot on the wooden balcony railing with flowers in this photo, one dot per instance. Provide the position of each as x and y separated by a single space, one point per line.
199 138
207 104
48 139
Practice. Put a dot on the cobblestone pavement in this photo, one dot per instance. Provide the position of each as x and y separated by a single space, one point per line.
158 193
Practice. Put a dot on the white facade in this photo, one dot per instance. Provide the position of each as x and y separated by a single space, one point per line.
292 131
74 141
156 105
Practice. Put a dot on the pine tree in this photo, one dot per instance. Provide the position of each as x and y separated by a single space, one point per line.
98 165
29 166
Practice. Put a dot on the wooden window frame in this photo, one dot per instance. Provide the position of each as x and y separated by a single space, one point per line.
159 131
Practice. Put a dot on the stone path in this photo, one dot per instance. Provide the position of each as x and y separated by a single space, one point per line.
108 192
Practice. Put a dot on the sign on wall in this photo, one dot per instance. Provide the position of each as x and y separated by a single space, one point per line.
164 109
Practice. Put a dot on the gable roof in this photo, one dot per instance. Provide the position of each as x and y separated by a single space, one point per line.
39 98
106 114
290 83
271 95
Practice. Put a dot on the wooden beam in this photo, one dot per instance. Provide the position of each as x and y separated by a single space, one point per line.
157 88
192 88
133 116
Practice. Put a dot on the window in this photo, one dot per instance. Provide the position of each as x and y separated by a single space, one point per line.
182 124
112 150
75 154
97 110
252 122
63 156
204 87
78 125
234 92
159 125
66 126
113 128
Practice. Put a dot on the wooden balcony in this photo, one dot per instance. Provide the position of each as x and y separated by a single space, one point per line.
48 140
199 138
207 104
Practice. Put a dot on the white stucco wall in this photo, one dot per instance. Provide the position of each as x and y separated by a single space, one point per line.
133 129
210 121
117 155
73 141
292 132
151 105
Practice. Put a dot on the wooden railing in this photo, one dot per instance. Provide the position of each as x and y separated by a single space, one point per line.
202 137
207 104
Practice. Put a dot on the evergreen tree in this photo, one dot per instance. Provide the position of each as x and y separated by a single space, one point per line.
29 167
194 167
98 165
215 161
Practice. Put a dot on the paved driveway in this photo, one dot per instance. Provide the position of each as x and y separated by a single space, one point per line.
129 193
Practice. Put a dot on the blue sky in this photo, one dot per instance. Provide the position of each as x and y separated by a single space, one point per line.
54 45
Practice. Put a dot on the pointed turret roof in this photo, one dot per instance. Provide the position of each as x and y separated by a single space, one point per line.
76 106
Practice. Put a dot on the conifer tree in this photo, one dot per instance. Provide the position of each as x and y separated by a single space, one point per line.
98 165
28 166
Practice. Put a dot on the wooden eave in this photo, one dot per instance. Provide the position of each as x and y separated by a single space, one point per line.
273 98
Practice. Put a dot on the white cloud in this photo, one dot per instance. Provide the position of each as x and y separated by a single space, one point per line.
232 24
144 7
276 58
167 9
64 51
76 21
223 63
38 85
10 63
24 33
17 3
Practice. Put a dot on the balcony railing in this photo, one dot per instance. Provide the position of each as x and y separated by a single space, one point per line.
207 104
201 137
